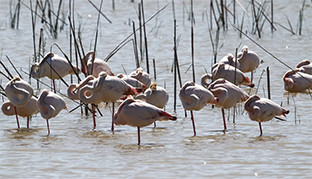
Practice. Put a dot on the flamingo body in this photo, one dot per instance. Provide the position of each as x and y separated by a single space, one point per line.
228 72
295 81
98 65
248 60
141 76
18 91
59 64
27 110
155 95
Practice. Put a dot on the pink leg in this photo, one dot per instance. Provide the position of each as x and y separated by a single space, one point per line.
139 138
193 122
224 123
27 122
260 128
93 114
48 127
18 126
53 81
113 111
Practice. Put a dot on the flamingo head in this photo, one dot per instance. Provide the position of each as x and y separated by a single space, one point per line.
35 71
153 86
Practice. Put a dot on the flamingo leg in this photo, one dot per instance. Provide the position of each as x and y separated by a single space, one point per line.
18 125
155 124
113 110
27 122
53 81
48 127
224 123
260 128
139 138
93 114
193 122
251 76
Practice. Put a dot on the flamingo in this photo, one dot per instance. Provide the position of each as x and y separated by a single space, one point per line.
49 105
59 64
139 114
262 110
305 66
295 81
98 65
227 94
27 110
141 76
139 86
195 97
19 92
105 88
155 95
73 91
228 72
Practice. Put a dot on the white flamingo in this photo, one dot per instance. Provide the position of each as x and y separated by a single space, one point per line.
263 110
59 64
295 81
139 114
98 65
49 105
142 76
195 97
227 94
155 95
105 88
228 72
19 92
27 110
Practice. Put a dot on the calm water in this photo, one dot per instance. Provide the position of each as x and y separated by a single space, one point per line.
169 151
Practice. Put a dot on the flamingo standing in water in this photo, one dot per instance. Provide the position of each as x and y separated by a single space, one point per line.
305 66
105 88
228 72
73 91
27 110
139 114
19 92
195 97
155 95
98 65
60 68
295 81
227 94
142 76
262 110
49 105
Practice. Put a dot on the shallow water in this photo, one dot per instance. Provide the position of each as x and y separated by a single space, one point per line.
170 150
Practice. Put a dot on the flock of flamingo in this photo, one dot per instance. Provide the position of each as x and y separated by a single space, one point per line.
143 101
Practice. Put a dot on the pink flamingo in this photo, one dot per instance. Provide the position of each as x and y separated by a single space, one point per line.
19 92
295 81
227 94
227 72
139 114
49 105
27 110
98 65
105 88
195 97
141 76
262 110
155 95
59 64
73 91
305 66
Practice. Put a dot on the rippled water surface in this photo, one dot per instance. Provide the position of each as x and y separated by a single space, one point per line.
170 150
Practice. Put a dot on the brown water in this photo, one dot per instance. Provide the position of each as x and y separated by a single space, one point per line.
169 151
